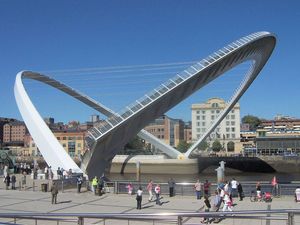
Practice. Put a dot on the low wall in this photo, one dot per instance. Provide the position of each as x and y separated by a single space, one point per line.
155 165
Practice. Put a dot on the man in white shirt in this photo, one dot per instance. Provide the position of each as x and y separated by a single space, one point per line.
234 185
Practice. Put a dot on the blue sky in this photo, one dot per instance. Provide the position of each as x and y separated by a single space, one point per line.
64 35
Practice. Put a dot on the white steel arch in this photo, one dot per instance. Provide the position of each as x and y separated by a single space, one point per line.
107 139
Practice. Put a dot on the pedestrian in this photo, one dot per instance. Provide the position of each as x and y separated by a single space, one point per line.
227 203
171 184
157 194
297 194
129 188
13 182
217 204
139 198
54 192
58 173
46 171
23 180
79 183
258 191
95 184
7 181
275 188
207 206
234 185
240 191
206 187
197 187
149 189
100 186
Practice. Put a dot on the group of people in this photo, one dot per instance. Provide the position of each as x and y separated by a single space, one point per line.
224 194
11 180
98 185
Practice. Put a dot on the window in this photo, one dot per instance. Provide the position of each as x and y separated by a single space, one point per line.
203 117
233 135
64 138
198 117
64 145
233 117
71 148
227 123
198 124
203 123
227 117
232 129
212 117
198 130
198 112
217 111
232 111
203 111
203 130
79 145
162 136
227 129
212 111
58 138
215 105
232 123
227 135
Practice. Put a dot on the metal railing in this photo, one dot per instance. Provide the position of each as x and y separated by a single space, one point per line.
286 216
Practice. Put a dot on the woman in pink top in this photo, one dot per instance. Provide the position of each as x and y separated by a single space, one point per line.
149 189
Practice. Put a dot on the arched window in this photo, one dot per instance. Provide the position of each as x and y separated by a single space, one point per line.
230 146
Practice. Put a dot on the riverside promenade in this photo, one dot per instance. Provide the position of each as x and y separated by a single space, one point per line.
16 201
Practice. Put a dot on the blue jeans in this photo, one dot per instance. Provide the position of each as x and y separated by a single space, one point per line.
198 194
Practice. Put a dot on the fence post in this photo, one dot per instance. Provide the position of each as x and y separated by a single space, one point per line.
179 220
290 219
80 221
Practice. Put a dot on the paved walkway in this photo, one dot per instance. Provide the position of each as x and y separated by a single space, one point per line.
85 202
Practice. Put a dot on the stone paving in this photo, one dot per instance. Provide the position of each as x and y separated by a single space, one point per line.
86 202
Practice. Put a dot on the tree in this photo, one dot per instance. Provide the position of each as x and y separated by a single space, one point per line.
203 145
183 146
216 146
253 121
230 146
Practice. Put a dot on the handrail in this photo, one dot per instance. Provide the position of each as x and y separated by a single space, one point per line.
245 214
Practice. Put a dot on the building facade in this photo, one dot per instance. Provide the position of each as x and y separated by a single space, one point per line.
14 133
203 116
171 131
72 141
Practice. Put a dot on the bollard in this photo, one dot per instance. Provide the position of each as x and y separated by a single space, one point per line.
222 165
20 186
220 174
62 185
33 186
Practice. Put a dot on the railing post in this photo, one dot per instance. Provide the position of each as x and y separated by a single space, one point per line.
80 221
179 220
290 219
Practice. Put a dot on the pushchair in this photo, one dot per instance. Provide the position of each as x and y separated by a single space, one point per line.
267 197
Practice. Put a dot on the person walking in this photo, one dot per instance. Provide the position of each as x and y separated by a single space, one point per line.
258 191
95 184
139 198
206 187
197 187
7 181
130 188
157 194
234 185
275 186
79 183
13 182
171 184
54 192
149 189
227 203
240 191
207 206
23 180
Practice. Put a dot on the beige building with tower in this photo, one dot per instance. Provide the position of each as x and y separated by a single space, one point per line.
203 116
